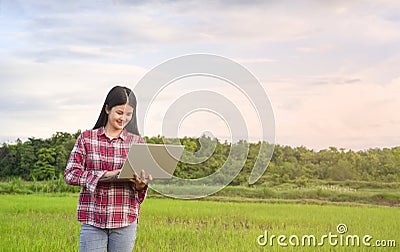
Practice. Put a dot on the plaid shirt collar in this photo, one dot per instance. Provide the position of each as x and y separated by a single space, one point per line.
101 131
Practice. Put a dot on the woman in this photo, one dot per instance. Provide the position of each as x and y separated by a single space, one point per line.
108 211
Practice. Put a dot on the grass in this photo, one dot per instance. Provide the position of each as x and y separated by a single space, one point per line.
38 223
47 222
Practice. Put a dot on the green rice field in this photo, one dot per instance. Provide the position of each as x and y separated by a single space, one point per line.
48 223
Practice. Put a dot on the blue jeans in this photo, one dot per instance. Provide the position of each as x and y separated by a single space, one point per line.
95 239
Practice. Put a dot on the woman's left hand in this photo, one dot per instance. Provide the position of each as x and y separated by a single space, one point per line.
142 181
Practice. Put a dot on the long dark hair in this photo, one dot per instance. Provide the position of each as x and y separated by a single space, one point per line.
119 96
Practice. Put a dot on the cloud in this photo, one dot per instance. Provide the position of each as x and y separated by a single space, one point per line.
254 60
50 33
40 97
110 29
330 67
337 114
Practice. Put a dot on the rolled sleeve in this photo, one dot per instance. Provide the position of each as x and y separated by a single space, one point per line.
75 172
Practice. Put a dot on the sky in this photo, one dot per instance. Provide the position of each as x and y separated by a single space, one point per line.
330 68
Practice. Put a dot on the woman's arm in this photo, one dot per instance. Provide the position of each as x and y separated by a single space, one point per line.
75 172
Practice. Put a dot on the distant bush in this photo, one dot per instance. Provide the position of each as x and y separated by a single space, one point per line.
19 186
321 191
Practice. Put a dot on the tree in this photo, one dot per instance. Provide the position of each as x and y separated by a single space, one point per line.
27 160
45 167
8 162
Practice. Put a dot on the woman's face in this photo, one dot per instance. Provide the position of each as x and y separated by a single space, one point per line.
119 116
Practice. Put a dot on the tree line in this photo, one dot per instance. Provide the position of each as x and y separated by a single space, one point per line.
43 159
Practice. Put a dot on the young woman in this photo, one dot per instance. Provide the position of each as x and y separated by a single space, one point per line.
108 211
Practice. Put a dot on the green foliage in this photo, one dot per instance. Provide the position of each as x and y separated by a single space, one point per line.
44 168
377 193
39 159
19 186
43 159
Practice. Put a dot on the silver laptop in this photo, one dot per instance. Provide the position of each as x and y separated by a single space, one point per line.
159 160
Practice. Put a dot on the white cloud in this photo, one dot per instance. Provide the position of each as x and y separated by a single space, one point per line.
330 67
355 115
39 98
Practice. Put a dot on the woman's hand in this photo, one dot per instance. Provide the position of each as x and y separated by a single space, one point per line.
142 181
111 173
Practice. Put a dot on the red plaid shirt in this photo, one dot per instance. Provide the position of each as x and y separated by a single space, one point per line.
103 204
